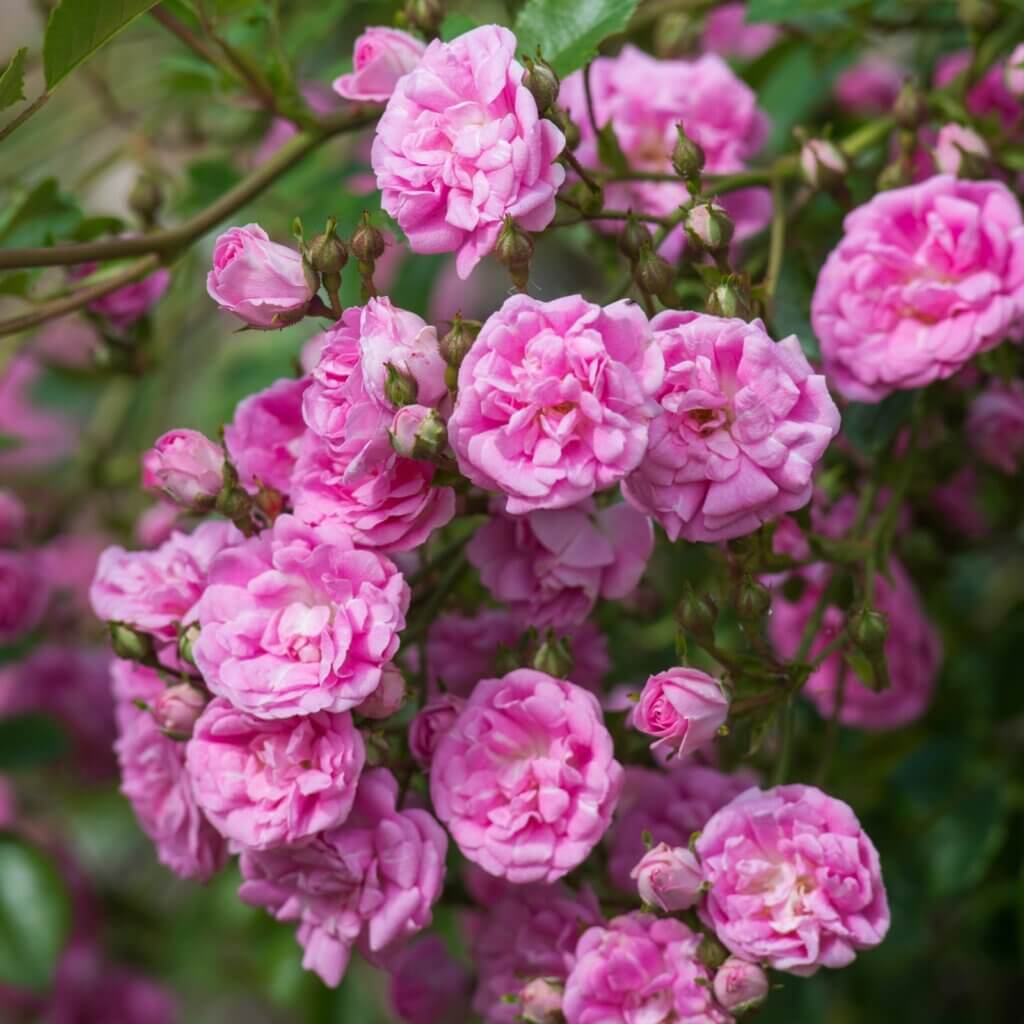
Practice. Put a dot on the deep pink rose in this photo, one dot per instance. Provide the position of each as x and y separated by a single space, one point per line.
265 783
683 708
24 593
389 696
644 98
551 566
260 281
726 32
462 650
744 423
428 985
430 724
955 146
870 86
1013 73
956 504
995 425
988 96
123 307
795 883
640 968
553 401
13 518
671 805
461 146
950 285
187 466
263 439
37 435
154 780
373 880
380 58
740 985
526 779
297 620
668 878
530 932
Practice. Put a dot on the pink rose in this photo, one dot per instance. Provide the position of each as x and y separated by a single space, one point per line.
154 780
40 435
740 986
416 431
428 985
177 709
273 783
989 95
389 696
430 725
644 98
1013 74
951 285
726 32
261 282
822 163
380 58
541 1002
263 439
526 779
954 148
744 423
956 504
870 86
24 593
551 566
373 880
995 425
553 400
298 620
683 708
668 878
123 307
795 882
187 466
658 956
13 518
461 146
157 523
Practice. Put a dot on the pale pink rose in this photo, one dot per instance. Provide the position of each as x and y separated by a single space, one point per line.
669 804
658 956
870 86
430 724
553 400
822 163
462 650
526 780
123 307
740 986
263 439
380 58
644 98
726 32
530 932
154 780
551 566
541 1002
389 696
955 145
995 425
273 783
795 883
186 465
157 523
297 620
372 881
988 96
69 341
24 593
668 878
461 146
744 423
177 709
428 985
34 434
260 281
1013 74
951 285
13 518
683 708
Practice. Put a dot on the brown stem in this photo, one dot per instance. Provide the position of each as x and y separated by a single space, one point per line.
23 116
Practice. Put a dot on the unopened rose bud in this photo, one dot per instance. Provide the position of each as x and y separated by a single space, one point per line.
711 953
389 696
514 250
961 152
709 227
459 340
130 644
653 273
753 599
327 253
730 298
177 708
430 724
697 613
554 657
186 466
740 986
687 157
425 15
823 165
977 15
367 243
1014 72
676 34
910 107
418 432
146 198
569 128
895 175
542 82
635 238
869 630
186 642
400 388
541 1002
668 878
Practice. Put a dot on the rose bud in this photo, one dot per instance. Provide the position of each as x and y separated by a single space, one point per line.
418 432
740 986
961 152
668 878
709 227
380 57
541 1002
436 717
388 697
1014 72
187 466
683 708
541 80
177 708
823 164
261 282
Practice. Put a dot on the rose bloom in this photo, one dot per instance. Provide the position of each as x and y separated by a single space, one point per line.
177 709
988 96
995 425
644 98
430 724
380 58
270 783
389 696
668 878
726 32
530 932
795 883
640 968
24 593
553 400
154 779
263 439
526 780
40 435
744 422
671 805
461 146
297 620
951 285
955 145
1013 74
156 523
683 708
428 985
186 465
123 307
373 880
551 566
870 86
260 281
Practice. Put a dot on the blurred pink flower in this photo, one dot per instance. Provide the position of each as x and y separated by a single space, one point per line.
870 86
995 425
726 32
428 985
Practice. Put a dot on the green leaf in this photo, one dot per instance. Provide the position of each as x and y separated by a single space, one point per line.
609 152
569 34
78 28
35 914
9 443
40 217
791 10
29 740
208 180
456 24
17 283
12 81
963 842
870 427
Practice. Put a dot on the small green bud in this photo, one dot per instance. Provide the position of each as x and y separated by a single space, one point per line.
711 953
869 630
753 599
514 250
400 388
731 298
542 82
709 227
327 253
635 238
187 638
130 644
554 657
697 613
909 108
425 15
459 340
653 273
417 433
146 198
367 243
687 157
569 128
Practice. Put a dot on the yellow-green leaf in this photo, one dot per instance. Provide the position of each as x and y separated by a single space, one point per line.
12 81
